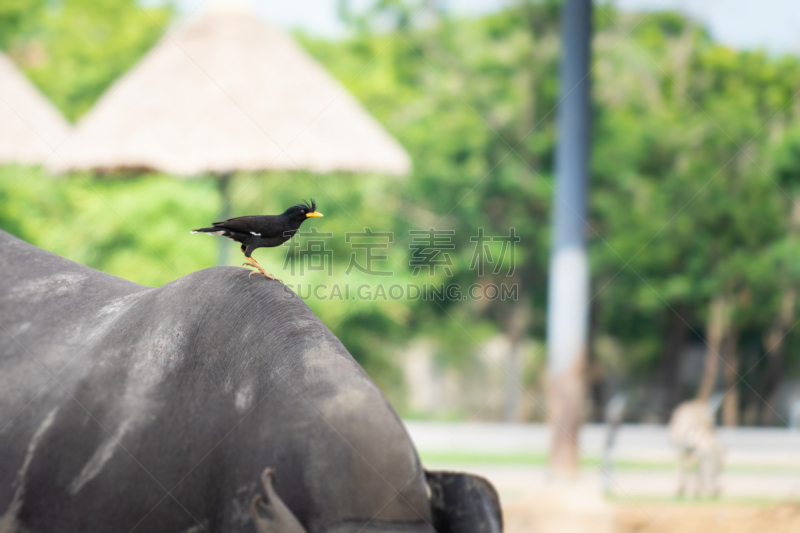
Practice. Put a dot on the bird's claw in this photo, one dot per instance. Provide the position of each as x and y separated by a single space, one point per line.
254 264
260 271
269 276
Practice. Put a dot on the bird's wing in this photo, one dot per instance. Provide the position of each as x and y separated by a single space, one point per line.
254 225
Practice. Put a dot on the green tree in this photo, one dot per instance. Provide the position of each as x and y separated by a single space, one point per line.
75 49
690 141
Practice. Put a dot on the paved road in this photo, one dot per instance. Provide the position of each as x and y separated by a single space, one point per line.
759 463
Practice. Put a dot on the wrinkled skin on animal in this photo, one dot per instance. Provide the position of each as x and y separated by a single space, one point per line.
218 402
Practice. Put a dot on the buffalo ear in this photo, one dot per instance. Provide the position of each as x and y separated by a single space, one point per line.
463 503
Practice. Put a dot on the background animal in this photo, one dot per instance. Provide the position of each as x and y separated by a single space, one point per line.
129 408
699 454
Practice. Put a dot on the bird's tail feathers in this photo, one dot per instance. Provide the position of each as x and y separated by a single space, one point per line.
211 231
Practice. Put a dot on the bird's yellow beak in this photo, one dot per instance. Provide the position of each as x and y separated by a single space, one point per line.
313 214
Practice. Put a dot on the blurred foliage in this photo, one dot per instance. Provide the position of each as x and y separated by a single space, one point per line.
17 17
695 167
74 49
136 229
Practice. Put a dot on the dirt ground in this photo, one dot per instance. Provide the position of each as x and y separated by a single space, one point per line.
561 508
713 518
548 514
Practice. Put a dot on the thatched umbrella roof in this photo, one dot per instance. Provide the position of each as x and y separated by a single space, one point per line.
30 127
227 92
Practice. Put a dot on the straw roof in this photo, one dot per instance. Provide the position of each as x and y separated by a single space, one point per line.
228 92
30 127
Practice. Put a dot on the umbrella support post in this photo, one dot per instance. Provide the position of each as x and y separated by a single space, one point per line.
223 183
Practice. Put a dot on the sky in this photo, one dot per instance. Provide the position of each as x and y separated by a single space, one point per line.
744 24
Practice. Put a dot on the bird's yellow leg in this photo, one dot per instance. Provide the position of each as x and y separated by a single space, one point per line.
251 262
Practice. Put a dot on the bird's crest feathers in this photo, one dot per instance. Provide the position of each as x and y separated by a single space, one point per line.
311 205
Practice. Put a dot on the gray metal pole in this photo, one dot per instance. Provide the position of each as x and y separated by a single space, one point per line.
568 291
224 182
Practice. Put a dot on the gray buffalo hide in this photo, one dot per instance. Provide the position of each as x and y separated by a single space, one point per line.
128 408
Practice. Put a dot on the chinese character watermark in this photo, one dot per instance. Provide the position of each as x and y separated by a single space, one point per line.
370 242
483 252
314 257
427 250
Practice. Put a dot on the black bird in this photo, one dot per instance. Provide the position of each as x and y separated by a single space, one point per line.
265 231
